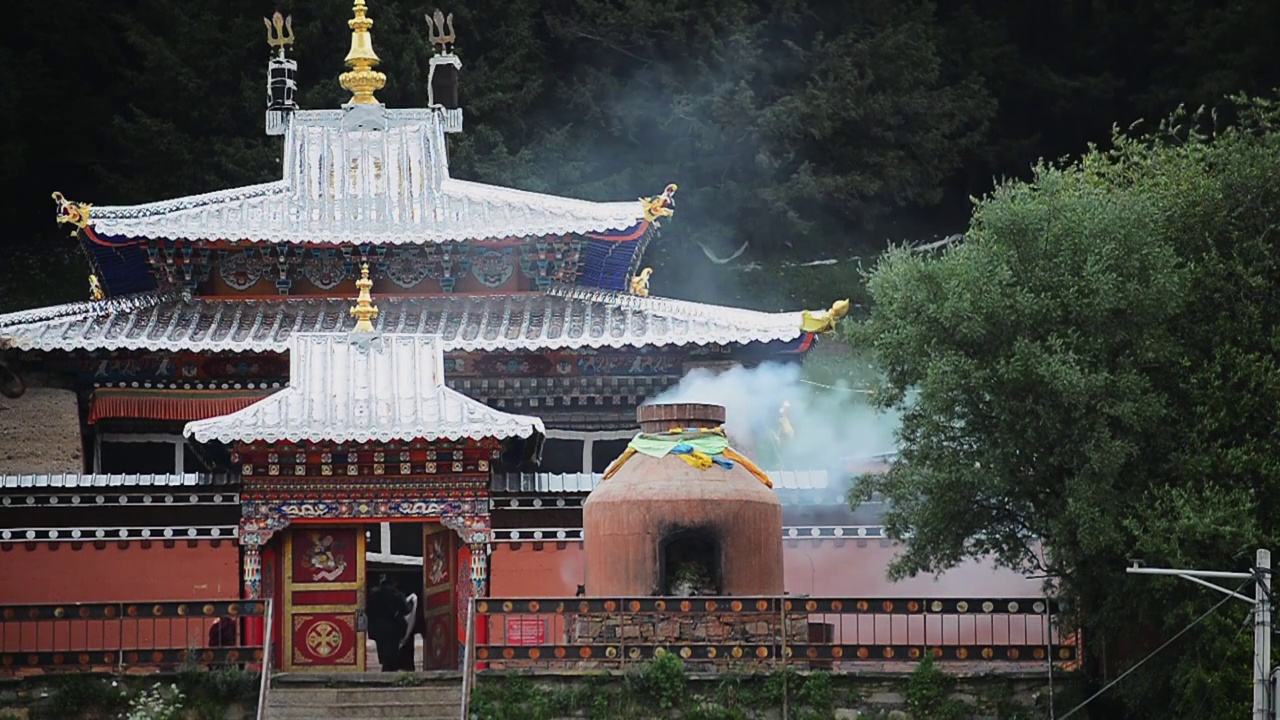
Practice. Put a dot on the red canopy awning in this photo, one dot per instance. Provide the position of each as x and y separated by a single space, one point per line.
180 405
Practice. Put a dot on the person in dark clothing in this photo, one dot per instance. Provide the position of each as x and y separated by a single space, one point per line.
408 650
222 633
387 622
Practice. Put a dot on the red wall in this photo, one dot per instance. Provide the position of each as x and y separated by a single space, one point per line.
132 573
819 568
59 574
823 568
518 570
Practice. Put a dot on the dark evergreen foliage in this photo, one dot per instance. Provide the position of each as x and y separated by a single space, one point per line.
796 126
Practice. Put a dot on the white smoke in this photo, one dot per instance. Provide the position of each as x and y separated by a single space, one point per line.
833 426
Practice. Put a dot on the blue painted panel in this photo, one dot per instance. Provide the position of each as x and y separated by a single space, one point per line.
121 270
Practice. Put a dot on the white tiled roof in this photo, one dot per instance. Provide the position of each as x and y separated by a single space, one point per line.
349 186
541 483
568 319
71 481
350 388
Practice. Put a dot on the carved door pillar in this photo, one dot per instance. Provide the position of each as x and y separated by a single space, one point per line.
252 571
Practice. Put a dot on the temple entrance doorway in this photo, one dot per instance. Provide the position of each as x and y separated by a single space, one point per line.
407 580
324 599
422 559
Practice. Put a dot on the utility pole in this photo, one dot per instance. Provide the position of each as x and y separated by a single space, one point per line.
1263 707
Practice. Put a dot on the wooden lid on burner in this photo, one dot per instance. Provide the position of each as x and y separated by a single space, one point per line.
663 417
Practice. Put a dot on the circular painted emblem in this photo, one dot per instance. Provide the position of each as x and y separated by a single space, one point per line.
239 271
324 638
408 266
325 271
492 267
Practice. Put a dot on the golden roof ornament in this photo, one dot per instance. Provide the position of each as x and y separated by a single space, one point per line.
785 431
283 31
365 310
661 206
640 283
440 27
825 321
95 289
72 213
362 80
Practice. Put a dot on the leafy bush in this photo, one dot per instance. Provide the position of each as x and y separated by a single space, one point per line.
156 703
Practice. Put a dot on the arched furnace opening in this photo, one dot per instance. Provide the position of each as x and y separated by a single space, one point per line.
689 563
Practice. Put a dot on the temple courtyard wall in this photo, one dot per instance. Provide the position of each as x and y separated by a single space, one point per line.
820 568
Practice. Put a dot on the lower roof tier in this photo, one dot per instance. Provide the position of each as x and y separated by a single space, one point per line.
562 319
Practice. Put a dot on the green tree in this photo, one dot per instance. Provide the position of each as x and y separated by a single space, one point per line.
1095 369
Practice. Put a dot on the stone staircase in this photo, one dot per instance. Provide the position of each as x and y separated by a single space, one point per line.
421 696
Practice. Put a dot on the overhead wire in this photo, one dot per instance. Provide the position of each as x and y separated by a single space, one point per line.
1205 700
833 387
1152 654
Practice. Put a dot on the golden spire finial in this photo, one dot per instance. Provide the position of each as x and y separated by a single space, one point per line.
362 80
365 310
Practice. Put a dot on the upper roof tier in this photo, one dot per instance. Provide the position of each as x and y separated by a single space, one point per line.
361 176
567 318
365 175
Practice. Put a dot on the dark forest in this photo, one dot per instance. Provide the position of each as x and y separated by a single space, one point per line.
798 129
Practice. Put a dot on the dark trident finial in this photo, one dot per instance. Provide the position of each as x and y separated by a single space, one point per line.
441 27
279 31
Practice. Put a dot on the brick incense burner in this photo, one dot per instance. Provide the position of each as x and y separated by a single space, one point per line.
656 515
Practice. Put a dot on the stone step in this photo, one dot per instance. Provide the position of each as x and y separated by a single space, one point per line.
431 701
364 711
329 696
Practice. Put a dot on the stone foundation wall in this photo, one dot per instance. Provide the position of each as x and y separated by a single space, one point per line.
865 695
743 628
40 433
748 641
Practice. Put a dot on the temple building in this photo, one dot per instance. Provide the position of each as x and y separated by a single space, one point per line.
366 366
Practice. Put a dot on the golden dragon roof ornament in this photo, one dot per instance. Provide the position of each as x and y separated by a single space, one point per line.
662 206
364 310
72 213
640 283
825 321
362 80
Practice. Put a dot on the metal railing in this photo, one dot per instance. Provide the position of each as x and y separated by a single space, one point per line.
114 637
714 633
468 660
264 688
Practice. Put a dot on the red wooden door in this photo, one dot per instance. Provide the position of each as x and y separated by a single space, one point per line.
440 575
324 587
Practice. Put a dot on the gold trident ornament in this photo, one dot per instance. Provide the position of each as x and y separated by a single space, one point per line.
441 37
279 31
